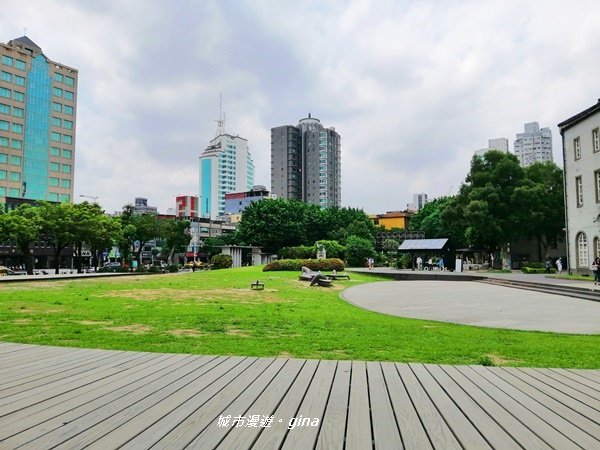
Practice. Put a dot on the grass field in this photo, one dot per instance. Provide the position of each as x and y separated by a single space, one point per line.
216 313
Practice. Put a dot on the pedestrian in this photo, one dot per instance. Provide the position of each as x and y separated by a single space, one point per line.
371 263
548 264
596 269
559 265
419 263
441 264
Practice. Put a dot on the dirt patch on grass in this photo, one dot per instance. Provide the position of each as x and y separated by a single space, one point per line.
238 332
500 361
21 321
242 295
186 332
133 329
285 355
33 286
94 322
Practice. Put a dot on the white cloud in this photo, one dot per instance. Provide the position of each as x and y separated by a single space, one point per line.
413 87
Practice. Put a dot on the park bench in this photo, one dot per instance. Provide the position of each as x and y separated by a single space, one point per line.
338 276
257 285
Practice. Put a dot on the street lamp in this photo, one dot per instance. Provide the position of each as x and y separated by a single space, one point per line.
93 197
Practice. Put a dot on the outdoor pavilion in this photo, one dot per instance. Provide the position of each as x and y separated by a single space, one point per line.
426 248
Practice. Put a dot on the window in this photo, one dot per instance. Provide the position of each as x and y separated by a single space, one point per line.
69 81
582 250
66 184
57 92
67 124
18 112
4 109
20 64
67 139
57 107
55 136
56 122
17 128
596 140
7 60
579 191
65 198
19 81
4 125
15 160
66 168
13 192
69 95
17 144
3 158
2 191
53 182
15 176
2 174
577 148
69 110
6 76
18 96
4 92
67 154
53 196
597 178
596 247
54 167
54 151
57 77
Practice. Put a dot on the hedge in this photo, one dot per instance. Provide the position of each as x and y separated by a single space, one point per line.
328 264
526 269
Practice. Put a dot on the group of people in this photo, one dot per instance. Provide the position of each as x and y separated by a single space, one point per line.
429 264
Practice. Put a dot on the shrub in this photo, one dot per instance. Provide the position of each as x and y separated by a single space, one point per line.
299 252
526 269
333 249
154 269
295 265
358 250
221 261
534 265
141 269
404 262
173 268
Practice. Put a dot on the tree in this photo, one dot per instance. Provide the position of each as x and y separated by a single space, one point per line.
57 227
85 218
102 236
358 250
176 236
23 226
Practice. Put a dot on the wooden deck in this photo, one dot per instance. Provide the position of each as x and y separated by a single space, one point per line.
73 398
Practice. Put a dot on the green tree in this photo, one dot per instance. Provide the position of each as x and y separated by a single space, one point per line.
85 218
23 226
57 227
102 236
358 250
175 234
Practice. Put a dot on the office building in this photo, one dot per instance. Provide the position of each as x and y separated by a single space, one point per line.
187 206
581 159
419 200
38 105
499 144
237 202
306 163
225 166
533 145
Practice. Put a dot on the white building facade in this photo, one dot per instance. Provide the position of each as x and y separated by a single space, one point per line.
225 166
581 158
499 144
534 145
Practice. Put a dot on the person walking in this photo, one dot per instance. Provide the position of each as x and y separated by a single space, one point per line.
596 269
559 265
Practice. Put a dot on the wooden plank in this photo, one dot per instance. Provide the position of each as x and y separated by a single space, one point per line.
573 416
273 436
580 377
568 384
183 402
568 395
593 375
264 407
214 433
434 424
84 416
30 358
38 413
333 426
463 429
411 429
486 400
204 410
358 429
479 416
312 407
569 431
385 429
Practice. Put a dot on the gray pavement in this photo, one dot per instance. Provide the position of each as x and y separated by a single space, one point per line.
479 304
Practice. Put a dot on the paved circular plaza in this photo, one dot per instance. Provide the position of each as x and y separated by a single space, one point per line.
478 304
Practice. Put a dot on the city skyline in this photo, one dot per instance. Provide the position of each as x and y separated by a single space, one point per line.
412 88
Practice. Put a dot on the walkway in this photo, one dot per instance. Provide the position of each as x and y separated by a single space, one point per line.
75 398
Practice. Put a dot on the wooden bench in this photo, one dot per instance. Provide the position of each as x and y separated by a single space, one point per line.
257 285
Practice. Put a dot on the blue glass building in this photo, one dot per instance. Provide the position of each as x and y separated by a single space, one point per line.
38 104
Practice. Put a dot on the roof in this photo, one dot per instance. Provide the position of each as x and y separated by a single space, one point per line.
423 244
579 117
27 43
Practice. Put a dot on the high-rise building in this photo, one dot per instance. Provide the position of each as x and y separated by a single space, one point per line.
419 200
306 163
499 144
38 103
225 166
534 145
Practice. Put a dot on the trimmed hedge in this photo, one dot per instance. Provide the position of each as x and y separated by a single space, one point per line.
526 269
221 261
294 265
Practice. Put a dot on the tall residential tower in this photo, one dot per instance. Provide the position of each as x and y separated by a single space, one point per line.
38 101
534 145
306 163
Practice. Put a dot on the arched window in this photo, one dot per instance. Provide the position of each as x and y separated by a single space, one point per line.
582 250
596 247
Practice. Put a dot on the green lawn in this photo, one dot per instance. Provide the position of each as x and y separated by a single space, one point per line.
216 313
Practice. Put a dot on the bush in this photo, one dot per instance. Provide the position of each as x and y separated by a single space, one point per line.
173 268
534 265
526 269
333 249
404 261
221 261
299 252
295 265
358 250
154 269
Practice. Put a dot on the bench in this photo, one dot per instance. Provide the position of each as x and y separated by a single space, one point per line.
339 277
257 285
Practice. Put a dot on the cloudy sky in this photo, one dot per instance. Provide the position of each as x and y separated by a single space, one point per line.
413 87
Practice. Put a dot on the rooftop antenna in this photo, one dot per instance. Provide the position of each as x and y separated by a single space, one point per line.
24 31
221 120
